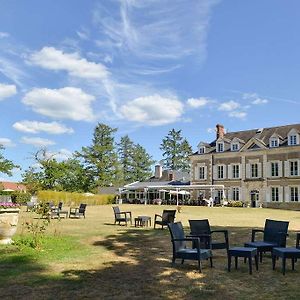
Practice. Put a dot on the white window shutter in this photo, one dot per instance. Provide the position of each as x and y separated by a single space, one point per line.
286 169
230 194
280 169
230 172
268 194
259 170
215 172
196 172
240 171
287 194
224 171
205 172
269 169
281 194
247 170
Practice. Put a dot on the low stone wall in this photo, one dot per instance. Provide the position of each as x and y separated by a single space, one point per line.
283 205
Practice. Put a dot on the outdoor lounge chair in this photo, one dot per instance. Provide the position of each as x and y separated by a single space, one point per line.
199 227
122 216
77 212
168 216
274 235
57 212
181 251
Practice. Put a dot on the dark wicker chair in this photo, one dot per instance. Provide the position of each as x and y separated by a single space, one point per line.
274 235
199 227
77 212
122 216
181 251
168 216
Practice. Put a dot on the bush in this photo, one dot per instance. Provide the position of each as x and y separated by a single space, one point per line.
74 199
232 203
20 198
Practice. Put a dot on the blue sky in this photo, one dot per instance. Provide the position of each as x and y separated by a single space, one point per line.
144 67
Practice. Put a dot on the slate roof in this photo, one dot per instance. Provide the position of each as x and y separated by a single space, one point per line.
263 136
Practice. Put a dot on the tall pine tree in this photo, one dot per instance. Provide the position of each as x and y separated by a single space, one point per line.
100 159
176 151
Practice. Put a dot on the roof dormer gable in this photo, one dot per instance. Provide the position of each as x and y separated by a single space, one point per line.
293 137
275 140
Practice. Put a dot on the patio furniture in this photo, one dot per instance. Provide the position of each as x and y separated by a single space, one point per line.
168 216
181 251
122 216
30 206
142 221
245 252
77 212
57 212
274 235
199 227
290 252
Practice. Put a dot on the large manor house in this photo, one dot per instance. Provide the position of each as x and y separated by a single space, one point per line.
260 167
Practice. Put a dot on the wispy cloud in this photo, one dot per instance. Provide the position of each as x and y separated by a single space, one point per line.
255 98
3 34
229 105
37 127
6 142
37 141
238 114
7 90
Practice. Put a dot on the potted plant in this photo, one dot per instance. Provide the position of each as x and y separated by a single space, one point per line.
9 216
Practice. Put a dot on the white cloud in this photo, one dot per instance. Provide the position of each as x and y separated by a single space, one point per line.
255 98
211 130
198 102
3 34
36 127
229 106
238 114
6 142
37 141
65 103
62 154
153 110
7 90
76 66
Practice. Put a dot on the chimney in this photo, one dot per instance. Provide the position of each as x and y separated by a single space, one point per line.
220 131
171 176
158 171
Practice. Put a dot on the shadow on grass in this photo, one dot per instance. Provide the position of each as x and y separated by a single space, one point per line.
141 269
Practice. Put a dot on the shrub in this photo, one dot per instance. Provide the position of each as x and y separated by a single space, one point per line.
232 203
20 198
71 199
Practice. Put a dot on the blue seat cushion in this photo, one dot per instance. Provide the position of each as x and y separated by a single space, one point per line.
191 253
286 252
261 245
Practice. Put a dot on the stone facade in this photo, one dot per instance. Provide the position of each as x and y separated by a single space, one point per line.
260 167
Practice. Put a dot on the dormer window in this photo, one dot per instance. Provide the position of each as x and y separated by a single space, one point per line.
220 147
293 137
274 142
201 150
235 147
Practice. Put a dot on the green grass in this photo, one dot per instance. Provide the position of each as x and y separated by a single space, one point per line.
93 259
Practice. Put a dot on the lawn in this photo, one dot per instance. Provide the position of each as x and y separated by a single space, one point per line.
93 259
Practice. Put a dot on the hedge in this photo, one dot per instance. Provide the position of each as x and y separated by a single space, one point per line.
74 199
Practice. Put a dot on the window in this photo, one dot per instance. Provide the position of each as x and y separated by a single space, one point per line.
254 170
235 147
220 147
274 169
235 171
275 194
201 172
294 193
274 143
294 168
293 140
235 194
220 195
220 172
201 150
